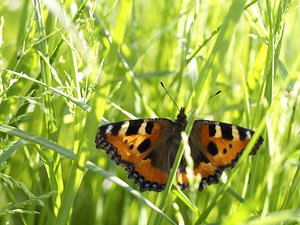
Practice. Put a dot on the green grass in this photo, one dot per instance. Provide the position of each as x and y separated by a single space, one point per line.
65 69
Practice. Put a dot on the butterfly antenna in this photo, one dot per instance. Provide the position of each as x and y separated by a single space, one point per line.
218 92
162 84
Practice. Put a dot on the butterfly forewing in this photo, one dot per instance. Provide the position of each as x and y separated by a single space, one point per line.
142 147
221 143
216 146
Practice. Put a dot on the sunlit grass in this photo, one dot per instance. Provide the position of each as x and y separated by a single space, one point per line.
65 69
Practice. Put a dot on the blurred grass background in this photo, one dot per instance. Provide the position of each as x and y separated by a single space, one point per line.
67 66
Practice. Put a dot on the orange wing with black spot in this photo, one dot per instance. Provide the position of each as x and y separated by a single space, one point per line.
143 147
216 146
147 149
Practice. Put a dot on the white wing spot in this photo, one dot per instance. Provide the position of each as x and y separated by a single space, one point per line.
235 133
218 133
142 129
248 134
124 128
108 129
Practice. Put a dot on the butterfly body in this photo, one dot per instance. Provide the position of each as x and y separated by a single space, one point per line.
147 148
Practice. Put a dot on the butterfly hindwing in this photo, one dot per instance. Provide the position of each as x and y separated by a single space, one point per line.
209 173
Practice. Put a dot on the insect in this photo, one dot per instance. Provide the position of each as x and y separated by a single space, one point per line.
147 148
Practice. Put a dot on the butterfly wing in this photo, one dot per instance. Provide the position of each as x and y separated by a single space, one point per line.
216 146
145 147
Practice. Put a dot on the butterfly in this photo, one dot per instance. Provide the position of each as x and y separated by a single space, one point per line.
147 148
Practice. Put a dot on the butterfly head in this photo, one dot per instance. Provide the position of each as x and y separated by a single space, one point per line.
181 118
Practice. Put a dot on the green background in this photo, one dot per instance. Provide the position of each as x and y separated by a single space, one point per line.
68 66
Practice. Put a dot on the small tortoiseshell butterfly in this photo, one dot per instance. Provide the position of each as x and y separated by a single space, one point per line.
147 149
